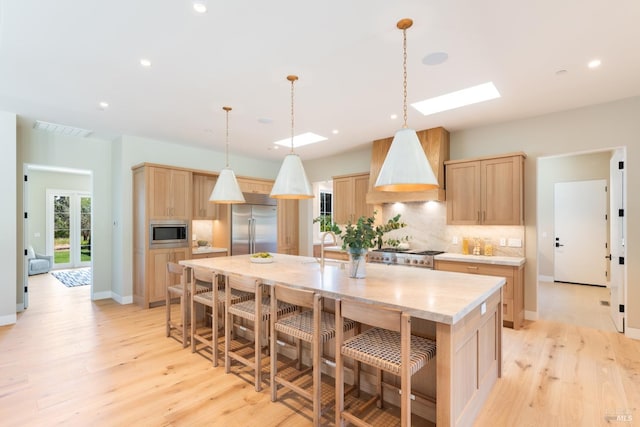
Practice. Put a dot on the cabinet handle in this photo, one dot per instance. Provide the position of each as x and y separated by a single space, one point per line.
470 267
478 217
484 216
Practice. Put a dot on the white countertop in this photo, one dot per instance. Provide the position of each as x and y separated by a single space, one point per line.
482 259
207 250
438 296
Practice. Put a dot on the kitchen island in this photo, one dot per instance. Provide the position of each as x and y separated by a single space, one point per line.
464 312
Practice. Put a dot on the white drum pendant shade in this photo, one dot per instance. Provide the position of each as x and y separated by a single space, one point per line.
227 189
406 167
292 181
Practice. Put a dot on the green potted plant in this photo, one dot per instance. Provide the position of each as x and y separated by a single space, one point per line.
357 238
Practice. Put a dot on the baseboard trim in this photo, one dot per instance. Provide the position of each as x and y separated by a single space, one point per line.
542 278
9 319
118 298
531 315
632 333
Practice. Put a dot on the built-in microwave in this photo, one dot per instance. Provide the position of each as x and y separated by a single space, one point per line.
168 234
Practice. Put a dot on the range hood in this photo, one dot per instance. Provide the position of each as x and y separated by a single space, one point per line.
435 143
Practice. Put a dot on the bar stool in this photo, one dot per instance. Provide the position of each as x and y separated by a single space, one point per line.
215 300
387 346
257 311
179 290
310 324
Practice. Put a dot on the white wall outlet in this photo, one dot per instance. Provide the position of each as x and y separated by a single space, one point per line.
503 241
455 240
36 234
483 308
515 243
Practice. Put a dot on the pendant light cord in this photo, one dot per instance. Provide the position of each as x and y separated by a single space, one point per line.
292 79
404 77
227 109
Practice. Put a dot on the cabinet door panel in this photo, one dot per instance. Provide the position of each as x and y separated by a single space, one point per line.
342 200
501 196
181 192
158 259
463 193
360 188
160 193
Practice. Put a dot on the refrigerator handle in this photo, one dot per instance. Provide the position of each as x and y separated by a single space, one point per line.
253 235
250 235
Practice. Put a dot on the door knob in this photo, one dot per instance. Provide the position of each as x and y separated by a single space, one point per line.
558 245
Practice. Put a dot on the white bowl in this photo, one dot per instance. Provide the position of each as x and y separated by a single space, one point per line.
261 260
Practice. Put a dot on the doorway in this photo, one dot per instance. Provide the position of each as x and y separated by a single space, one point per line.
564 168
38 179
69 228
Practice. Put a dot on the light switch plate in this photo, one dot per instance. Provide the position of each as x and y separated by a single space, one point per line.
503 241
483 308
515 243
455 240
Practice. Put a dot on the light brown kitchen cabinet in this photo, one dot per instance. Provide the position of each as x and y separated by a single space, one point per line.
208 255
288 227
349 198
435 143
169 193
252 185
202 188
486 191
155 292
512 292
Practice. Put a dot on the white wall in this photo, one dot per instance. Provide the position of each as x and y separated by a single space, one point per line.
8 218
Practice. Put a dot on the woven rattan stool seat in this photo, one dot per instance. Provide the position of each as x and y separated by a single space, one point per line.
381 348
177 289
301 326
207 297
246 309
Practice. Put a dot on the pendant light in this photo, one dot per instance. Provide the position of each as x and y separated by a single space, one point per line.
406 167
292 181
226 190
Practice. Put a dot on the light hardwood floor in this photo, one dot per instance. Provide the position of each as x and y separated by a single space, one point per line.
70 361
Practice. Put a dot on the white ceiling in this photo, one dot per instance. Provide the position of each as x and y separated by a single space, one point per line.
59 59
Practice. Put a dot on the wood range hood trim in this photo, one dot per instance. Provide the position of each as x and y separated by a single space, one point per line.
435 143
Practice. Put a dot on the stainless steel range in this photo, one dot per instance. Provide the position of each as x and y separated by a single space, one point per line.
410 257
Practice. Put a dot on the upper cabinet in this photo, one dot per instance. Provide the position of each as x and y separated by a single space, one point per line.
435 143
349 197
202 188
487 191
169 193
288 227
252 185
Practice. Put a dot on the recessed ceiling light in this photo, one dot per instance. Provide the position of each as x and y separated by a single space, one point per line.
145 63
460 98
200 6
335 131
103 105
301 140
393 116
435 58
595 63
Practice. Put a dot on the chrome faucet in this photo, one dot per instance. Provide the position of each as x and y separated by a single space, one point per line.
322 239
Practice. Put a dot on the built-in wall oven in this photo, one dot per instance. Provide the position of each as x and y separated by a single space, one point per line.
168 234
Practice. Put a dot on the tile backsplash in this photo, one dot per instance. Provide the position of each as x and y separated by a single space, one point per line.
427 228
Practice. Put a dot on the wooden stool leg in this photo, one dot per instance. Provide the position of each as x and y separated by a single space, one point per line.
168 311
339 365
379 388
257 329
273 318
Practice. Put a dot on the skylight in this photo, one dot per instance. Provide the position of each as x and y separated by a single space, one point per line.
460 98
300 140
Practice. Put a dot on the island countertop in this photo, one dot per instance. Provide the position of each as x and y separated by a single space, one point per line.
439 296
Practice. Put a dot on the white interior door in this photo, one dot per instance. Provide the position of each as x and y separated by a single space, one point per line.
617 278
580 232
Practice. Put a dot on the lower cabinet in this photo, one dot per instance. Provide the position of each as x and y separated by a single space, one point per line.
513 290
208 255
155 283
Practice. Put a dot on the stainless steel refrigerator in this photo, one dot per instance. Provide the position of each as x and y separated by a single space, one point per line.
254 225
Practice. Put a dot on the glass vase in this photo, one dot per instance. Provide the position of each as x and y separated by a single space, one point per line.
357 263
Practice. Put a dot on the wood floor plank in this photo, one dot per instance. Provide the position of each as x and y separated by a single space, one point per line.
71 361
